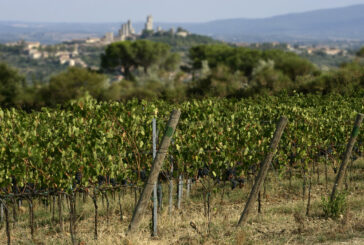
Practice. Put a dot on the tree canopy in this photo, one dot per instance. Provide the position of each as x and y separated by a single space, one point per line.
360 53
245 59
73 84
128 55
11 84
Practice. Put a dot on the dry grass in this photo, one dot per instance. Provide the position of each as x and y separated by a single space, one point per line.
283 220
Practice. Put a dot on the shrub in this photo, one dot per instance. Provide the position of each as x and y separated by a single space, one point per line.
336 207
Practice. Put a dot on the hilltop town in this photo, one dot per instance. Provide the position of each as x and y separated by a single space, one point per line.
69 52
127 32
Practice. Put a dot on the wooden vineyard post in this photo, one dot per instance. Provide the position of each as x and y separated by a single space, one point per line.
15 215
1 212
155 192
94 200
160 196
349 149
31 217
188 188
170 199
180 191
60 215
72 218
263 170
156 167
7 223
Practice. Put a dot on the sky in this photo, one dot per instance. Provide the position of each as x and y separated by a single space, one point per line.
162 10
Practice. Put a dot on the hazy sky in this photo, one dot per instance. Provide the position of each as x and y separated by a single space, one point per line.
162 10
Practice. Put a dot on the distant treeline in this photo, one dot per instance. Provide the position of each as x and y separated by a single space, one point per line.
150 70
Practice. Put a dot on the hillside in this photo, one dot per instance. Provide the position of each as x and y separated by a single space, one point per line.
328 24
337 24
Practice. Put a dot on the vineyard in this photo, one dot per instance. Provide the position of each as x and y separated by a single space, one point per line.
60 163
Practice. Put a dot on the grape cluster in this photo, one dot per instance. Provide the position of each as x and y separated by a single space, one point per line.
230 174
202 172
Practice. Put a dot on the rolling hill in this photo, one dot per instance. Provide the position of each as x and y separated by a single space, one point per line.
337 24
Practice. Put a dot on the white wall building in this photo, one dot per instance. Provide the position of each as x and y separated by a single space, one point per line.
149 23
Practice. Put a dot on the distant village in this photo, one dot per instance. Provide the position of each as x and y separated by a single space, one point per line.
36 50
71 56
300 48
127 32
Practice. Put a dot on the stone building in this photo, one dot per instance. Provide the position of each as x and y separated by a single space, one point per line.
35 54
182 34
126 31
32 45
108 38
92 40
75 52
149 23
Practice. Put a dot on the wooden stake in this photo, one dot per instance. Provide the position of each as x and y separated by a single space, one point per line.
349 149
263 170
157 164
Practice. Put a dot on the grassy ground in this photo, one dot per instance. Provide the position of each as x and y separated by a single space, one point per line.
283 219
